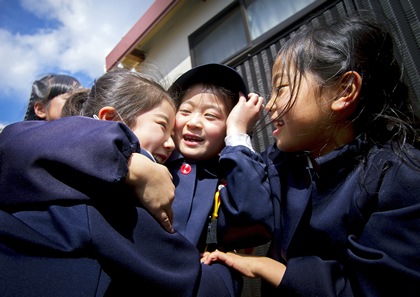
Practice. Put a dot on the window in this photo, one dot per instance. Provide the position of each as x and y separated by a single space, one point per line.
239 27
222 39
264 15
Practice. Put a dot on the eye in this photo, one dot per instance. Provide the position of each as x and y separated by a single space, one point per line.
280 91
210 115
163 123
184 111
279 88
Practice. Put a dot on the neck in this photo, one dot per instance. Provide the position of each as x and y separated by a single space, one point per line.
339 136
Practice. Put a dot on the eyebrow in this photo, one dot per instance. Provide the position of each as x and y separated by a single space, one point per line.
213 106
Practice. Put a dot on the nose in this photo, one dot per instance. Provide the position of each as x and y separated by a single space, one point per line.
271 105
169 144
195 121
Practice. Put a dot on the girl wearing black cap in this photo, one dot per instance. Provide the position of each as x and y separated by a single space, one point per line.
209 214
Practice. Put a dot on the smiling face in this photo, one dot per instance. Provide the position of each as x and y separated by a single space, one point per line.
302 118
154 129
200 126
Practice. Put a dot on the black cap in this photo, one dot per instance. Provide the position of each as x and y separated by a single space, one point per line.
213 73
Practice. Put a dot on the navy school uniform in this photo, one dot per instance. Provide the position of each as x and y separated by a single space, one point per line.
70 226
344 230
245 217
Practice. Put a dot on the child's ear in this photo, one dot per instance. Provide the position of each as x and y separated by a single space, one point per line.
107 113
348 92
40 110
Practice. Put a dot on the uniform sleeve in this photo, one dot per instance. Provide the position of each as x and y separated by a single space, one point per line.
104 250
246 214
383 256
147 258
47 253
70 157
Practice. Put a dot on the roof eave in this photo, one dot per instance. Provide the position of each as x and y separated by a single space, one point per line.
150 19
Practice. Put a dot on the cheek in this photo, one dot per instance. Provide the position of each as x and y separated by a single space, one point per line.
54 110
148 141
179 121
139 135
216 132
179 124
58 101
178 127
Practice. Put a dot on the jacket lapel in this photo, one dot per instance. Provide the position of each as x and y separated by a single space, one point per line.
297 196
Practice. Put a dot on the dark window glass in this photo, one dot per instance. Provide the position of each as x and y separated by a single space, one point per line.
220 40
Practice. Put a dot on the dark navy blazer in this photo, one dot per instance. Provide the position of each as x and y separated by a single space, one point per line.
70 226
346 227
245 217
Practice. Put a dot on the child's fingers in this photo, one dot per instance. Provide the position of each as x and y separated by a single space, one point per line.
256 99
164 218
205 257
260 101
242 98
253 96
211 257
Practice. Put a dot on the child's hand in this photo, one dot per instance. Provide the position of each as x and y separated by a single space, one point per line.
244 114
153 187
251 266
237 261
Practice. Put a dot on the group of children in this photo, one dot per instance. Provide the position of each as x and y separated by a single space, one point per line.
336 194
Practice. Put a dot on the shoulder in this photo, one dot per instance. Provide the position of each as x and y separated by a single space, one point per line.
397 173
69 132
395 160
239 152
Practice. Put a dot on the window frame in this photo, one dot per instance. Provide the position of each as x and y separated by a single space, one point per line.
259 42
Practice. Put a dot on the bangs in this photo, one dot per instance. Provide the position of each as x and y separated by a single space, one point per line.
289 68
226 96
294 59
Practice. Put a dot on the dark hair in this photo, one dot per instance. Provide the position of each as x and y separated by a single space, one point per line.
228 97
130 93
47 88
355 43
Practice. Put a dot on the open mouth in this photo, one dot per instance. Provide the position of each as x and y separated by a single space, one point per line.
159 158
278 123
192 139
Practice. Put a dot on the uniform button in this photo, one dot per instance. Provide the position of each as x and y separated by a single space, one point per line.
186 168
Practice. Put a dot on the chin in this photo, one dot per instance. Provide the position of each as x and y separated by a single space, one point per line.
189 156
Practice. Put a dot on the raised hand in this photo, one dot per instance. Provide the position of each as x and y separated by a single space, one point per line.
244 114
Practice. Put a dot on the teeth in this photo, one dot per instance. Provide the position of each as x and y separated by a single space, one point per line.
278 123
158 159
188 138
